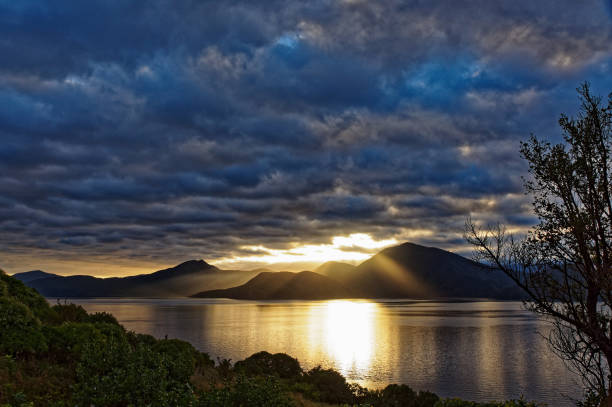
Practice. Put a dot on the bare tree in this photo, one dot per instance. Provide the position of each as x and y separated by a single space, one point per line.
564 263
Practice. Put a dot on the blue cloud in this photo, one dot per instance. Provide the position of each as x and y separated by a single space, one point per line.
126 126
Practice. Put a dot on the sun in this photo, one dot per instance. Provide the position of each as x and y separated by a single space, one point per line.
351 248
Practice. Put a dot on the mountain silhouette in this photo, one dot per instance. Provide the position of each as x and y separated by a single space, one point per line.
30 276
282 285
336 270
405 271
179 281
413 271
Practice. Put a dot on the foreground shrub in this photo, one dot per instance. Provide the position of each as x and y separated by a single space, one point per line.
112 373
328 386
66 341
247 391
103 318
11 288
20 331
402 395
267 364
69 313
181 355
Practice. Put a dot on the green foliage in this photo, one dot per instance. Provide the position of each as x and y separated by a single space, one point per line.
14 289
329 386
102 317
19 329
69 313
182 354
266 364
111 372
143 339
203 360
224 368
402 395
19 400
43 382
66 341
247 391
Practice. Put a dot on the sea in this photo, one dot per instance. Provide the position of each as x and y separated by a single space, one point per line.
474 350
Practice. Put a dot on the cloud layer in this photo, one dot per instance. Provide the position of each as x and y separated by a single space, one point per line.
145 133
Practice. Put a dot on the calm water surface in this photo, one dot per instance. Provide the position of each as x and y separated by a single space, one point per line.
474 350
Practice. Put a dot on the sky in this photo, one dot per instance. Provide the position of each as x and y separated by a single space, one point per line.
137 135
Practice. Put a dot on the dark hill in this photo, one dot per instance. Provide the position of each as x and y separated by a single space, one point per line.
283 285
30 276
178 281
404 271
413 271
336 270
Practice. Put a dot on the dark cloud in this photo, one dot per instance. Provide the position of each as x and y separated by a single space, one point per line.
159 131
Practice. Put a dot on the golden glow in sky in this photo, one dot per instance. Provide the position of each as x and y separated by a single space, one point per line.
354 247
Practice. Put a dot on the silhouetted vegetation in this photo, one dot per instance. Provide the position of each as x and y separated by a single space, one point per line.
266 364
62 356
564 264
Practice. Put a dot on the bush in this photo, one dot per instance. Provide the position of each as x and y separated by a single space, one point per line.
103 317
20 400
143 339
20 330
203 360
266 364
329 386
181 355
14 289
251 391
396 395
224 368
112 373
69 313
66 341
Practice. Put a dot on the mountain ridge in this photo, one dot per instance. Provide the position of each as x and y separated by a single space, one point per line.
283 285
407 270
177 281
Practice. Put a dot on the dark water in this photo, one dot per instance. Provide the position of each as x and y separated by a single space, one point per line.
474 350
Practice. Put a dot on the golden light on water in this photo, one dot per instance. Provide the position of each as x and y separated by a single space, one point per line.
350 333
484 349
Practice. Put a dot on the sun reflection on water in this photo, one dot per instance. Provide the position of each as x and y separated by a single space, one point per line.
350 334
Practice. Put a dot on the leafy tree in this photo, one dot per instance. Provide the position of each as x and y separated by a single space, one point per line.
20 331
113 373
69 313
103 317
330 386
12 288
267 364
564 264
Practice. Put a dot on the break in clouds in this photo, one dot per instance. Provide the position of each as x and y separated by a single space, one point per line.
152 132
